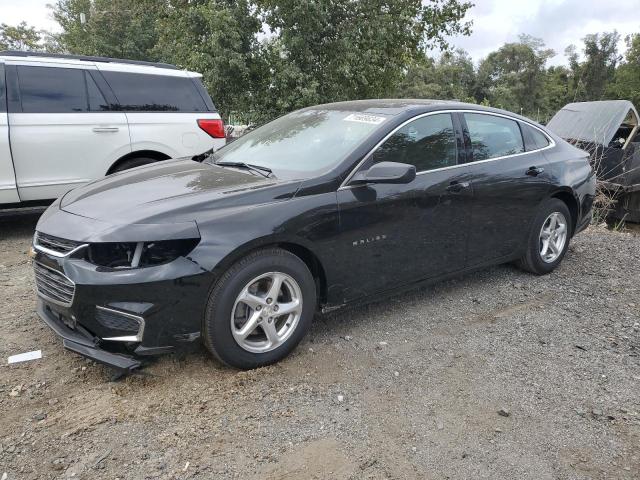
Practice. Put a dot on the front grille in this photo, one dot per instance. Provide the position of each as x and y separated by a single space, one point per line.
53 285
58 245
116 321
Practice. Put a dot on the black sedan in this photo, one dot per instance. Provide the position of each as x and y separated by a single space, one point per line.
323 207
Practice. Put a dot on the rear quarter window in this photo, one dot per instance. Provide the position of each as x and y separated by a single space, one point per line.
155 93
534 139
204 94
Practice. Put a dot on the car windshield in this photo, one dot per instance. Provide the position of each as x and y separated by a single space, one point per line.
301 144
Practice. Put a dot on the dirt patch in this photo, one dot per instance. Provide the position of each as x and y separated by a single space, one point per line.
319 460
508 311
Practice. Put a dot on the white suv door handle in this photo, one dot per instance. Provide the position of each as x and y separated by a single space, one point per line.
105 129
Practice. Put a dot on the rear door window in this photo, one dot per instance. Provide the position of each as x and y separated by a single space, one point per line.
493 136
96 100
155 93
52 90
427 143
3 90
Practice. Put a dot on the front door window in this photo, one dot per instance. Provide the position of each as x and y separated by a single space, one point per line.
427 143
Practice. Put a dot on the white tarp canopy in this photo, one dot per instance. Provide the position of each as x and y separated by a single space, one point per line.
594 122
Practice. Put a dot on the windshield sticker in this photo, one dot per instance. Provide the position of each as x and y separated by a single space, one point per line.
364 118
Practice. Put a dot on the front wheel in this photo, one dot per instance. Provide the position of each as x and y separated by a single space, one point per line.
549 238
260 309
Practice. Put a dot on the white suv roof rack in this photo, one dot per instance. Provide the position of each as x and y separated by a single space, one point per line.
86 58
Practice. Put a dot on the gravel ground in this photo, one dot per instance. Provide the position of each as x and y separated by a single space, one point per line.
498 374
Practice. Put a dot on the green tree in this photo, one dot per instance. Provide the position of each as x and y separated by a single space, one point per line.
557 91
626 83
330 50
513 77
20 37
310 51
598 69
576 90
219 39
451 76
112 28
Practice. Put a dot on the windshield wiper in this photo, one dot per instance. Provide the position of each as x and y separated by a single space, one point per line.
264 171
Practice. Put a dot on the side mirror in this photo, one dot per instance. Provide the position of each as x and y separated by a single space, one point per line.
386 172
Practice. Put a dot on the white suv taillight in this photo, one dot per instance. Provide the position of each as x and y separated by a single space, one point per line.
214 128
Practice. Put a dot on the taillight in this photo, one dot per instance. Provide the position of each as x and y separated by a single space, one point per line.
214 128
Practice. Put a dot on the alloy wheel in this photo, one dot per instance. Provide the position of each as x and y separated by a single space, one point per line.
266 312
553 236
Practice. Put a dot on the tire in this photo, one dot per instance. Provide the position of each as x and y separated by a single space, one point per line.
221 334
533 260
133 163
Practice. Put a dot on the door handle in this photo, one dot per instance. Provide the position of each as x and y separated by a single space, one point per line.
457 187
534 171
105 129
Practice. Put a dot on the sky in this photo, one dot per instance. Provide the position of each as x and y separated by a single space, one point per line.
34 12
558 22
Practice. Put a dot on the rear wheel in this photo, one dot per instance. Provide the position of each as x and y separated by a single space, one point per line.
549 238
133 162
260 309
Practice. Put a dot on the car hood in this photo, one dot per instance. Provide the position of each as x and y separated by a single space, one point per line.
175 190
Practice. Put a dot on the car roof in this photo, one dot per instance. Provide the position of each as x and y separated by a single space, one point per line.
102 63
396 106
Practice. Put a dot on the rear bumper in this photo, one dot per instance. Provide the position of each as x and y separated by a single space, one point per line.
585 195
584 222
83 343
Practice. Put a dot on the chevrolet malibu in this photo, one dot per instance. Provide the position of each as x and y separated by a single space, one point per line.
323 207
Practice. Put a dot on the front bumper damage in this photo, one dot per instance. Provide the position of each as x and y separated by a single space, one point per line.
85 344
118 317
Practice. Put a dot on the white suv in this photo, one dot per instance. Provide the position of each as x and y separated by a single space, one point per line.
66 120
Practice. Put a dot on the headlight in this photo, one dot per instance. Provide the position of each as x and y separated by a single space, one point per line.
123 255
